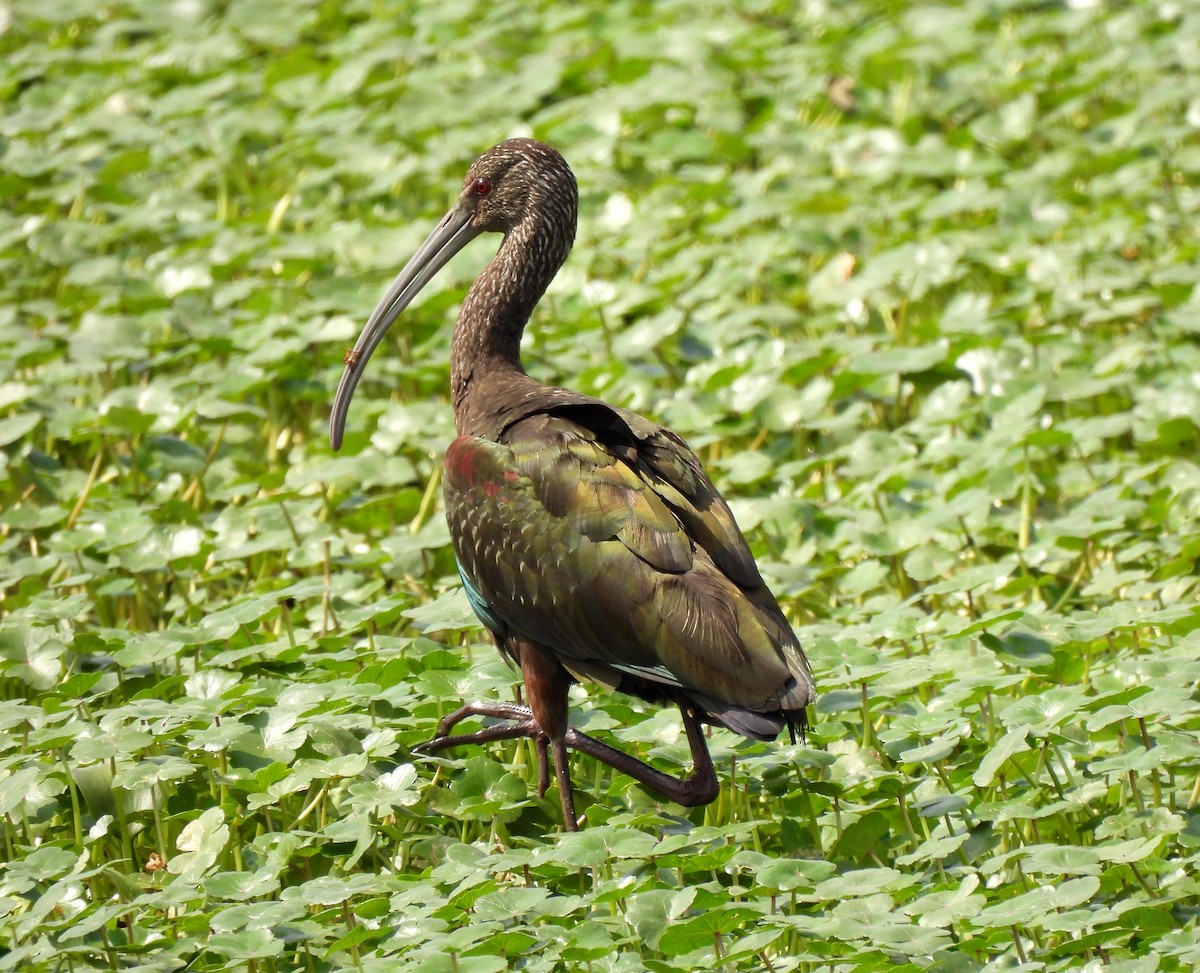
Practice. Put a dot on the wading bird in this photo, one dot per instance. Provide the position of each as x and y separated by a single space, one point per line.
590 541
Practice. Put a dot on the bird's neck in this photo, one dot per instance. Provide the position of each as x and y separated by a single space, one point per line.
485 352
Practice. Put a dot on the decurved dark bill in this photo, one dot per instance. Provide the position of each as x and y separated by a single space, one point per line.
452 234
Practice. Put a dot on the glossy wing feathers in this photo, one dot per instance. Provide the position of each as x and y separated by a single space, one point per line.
667 464
681 480
606 543
597 491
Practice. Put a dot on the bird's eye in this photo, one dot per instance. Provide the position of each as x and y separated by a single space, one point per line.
482 187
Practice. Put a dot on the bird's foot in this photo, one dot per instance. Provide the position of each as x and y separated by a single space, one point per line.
520 724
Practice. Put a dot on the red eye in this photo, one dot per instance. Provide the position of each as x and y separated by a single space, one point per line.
482 187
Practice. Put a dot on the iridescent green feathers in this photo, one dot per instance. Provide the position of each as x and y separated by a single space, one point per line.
597 534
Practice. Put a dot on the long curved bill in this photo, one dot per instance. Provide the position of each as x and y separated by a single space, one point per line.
452 234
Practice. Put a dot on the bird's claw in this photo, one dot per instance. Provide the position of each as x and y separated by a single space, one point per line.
433 745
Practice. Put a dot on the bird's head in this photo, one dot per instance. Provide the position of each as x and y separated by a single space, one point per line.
518 180
519 187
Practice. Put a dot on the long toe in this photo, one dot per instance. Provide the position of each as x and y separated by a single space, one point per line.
499 711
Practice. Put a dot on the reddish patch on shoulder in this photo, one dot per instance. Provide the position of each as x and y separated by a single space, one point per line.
470 465
462 460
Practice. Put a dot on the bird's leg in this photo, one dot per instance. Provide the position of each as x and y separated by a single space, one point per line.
546 685
543 765
566 793
545 722
701 787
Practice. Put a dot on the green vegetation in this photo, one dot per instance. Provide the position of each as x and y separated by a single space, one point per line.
936 335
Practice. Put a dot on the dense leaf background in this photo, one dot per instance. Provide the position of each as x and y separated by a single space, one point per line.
918 282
